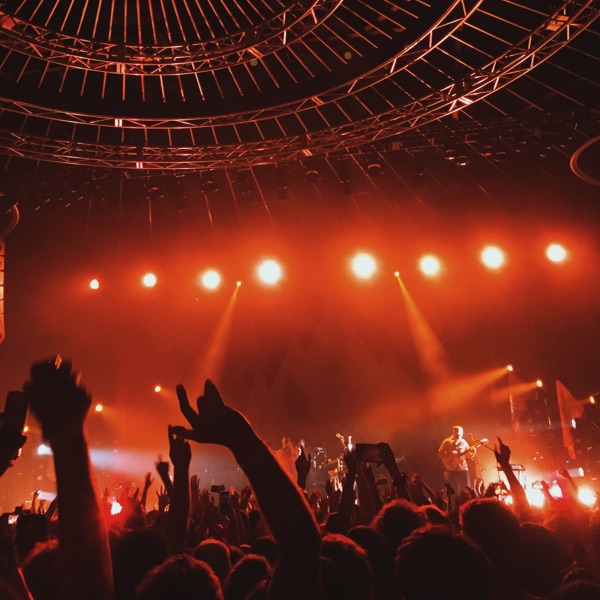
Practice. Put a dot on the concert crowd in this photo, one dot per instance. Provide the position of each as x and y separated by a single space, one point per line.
356 538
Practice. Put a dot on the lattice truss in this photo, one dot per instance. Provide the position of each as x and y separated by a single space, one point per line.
191 84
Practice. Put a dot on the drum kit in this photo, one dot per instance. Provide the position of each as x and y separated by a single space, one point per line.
325 468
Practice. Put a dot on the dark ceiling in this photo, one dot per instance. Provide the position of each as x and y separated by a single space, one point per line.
249 97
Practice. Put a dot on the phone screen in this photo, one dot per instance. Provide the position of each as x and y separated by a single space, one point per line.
224 501
368 453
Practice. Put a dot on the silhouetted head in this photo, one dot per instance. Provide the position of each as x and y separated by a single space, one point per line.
133 554
250 573
493 526
216 554
353 563
397 520
434 563
180 577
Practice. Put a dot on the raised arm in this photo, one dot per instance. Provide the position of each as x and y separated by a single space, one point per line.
283 505
12 421
502 452
61 405
180 454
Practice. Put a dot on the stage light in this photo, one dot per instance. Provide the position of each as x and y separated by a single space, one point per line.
536 497
509 368
238 283
539 383
26 429
211 279
555 490
364 265
592 400
149 280
44 450
430 265
492 257
556 253
396 273
94 284
98 408
269 272
157 388
115 508
587 496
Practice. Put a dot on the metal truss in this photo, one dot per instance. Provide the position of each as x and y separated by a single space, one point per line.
404 90
288 24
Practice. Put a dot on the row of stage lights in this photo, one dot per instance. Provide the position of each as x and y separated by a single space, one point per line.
363 265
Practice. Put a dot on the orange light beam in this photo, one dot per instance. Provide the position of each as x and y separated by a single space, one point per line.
430 351
210 364
452 394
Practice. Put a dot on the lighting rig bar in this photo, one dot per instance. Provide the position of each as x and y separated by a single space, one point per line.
404 91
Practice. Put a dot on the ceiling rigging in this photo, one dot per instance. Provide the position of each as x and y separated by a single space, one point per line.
190 85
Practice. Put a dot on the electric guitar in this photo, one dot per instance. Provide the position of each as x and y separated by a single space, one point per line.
452 462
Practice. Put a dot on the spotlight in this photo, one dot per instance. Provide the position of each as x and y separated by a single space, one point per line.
98 408
539 383
211 279
587 496
374 168
492 257
269 272
364 265
311 172
94 284
157 388
44 450
509 368
556 253
208 183
149 280
115 508
430 265
238 283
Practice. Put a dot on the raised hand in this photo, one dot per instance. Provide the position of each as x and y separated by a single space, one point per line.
162 468
195 487
61 405
245 497
350 462
162 498
303 464
148 480
214 422
502 452
57 399
180 452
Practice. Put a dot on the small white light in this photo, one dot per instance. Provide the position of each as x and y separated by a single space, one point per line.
587 496
44 450
269 272
149 280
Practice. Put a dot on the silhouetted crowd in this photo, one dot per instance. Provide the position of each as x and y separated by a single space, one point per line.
364 539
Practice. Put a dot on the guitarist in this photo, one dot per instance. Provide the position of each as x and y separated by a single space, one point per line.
454 452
